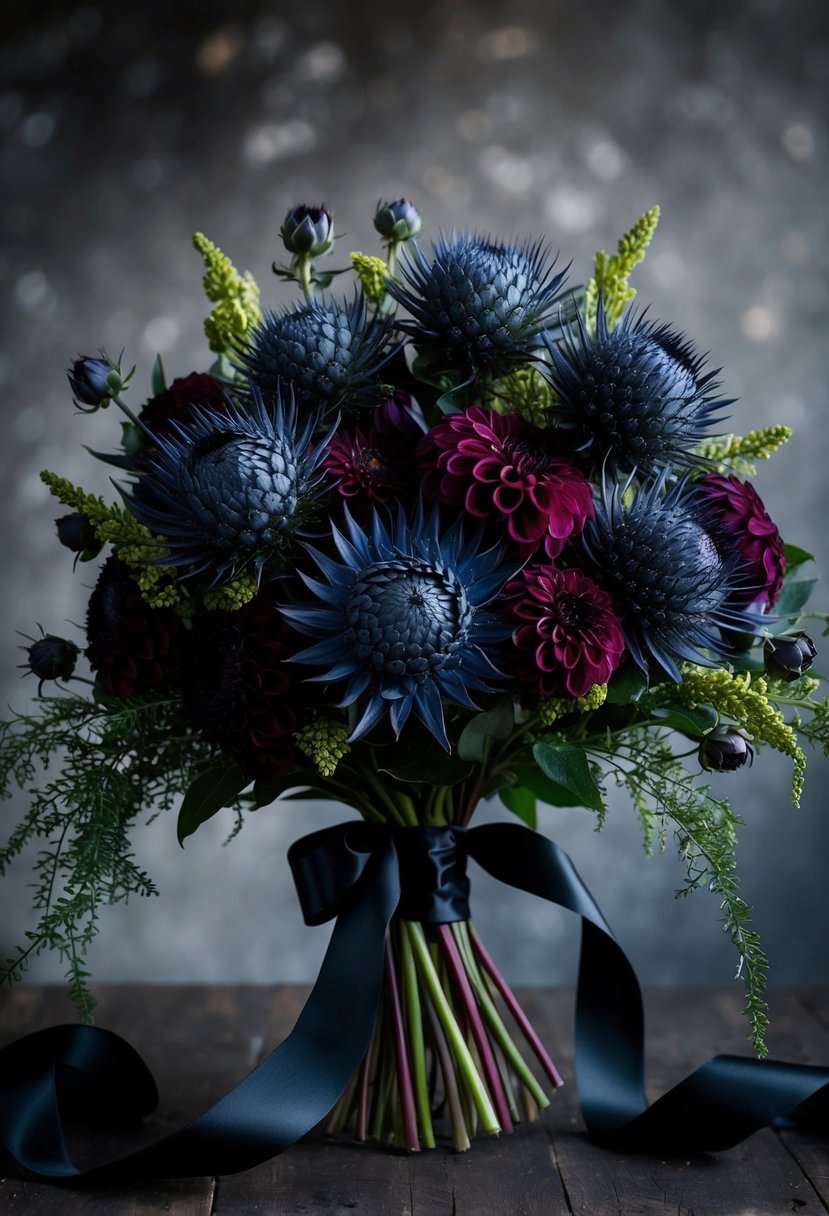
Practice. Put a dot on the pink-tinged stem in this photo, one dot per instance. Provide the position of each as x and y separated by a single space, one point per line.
524 1023
361 1132
476 1025
404 1075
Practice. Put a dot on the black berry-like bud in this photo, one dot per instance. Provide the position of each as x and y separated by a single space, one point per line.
76 533
724 751
95 381
52 658
789 658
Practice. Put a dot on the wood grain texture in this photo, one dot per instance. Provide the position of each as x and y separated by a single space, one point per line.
199 1041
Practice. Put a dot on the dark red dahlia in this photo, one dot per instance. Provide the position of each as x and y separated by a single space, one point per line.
176 403
376 464
499 467
132 648
567 632
239 689
741 524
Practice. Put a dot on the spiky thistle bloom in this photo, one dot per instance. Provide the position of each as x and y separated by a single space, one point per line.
565 628
374 464
656 557
132 648
326 351
229 491
741 523
478 305
402 620
501 468
636 396
240 691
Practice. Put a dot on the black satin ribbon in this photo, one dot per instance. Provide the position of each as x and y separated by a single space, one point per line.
362 874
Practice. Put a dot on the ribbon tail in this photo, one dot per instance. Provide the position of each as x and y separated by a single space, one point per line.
277 1103
715 1107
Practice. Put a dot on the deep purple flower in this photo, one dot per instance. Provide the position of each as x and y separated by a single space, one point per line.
499 467
566 630
132 648
740 522
724 751
376 463
175 404
94 382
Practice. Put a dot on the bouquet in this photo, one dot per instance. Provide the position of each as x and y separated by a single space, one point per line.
456 531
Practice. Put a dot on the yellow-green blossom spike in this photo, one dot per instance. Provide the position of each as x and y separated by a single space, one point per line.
325 742
231 596
737 453
523 391
372 273
611 273
235 298
550 710
745 699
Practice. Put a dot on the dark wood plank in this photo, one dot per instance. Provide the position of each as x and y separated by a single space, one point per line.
197 1042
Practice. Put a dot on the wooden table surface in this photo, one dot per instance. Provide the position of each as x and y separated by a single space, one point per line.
199 1040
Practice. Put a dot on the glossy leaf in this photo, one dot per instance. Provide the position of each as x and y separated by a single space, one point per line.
214 789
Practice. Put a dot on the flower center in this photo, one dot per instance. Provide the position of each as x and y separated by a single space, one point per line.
572 612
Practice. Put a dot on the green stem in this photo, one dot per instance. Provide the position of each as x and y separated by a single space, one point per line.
470 1074
414 1023
305 281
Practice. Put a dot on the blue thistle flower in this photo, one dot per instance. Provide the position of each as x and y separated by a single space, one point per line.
324 350
635 395
479 305
656 557
402 621
230 490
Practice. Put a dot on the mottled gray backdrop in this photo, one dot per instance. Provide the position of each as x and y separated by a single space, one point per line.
126 127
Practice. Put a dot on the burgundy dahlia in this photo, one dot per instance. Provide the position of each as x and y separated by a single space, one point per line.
239 688
376 464
742 524
176 403
567 632
132 648
501 468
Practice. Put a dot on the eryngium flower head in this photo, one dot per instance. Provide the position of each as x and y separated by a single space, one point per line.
479 305
132 648
402 620
565 628
374 464
308 231
397 221
231 490
741 522
635 395
239 689
324 350
658 560
498 467
726 750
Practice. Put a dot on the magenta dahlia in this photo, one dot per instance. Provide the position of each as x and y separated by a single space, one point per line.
239 690
132 648
501 468
566 630
374 464
740 522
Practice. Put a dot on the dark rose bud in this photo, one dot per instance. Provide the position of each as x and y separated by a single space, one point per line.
52 658
308 231
76 533
724 751
397 221
94 381
789 658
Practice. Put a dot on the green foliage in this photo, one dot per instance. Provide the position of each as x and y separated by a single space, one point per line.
89 769
523 391
566 766
737 453
211 790
611 274
235 298
372 273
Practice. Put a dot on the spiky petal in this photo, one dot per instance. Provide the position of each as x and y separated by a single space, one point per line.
657 559
479 304
635 396
402 620
228 491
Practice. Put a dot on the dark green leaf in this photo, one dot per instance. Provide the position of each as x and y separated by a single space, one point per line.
215 788
521 802
567 766
794 596
118 459
545 790
159 383
495 723
693 722
627 684
795 556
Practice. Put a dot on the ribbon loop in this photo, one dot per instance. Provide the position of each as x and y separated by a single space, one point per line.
434 887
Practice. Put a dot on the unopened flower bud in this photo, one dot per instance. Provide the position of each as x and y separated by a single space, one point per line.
52 658
94 381
308 231
789 658
724 751
76 533
397 221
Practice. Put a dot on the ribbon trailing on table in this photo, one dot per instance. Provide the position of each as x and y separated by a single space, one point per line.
362 874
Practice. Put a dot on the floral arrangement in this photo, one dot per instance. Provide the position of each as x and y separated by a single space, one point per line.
461 531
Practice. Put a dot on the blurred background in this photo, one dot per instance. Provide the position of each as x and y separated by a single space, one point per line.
125 128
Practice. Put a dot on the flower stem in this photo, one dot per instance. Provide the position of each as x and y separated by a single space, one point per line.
404 1076
460 1133
414 1023
305 281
